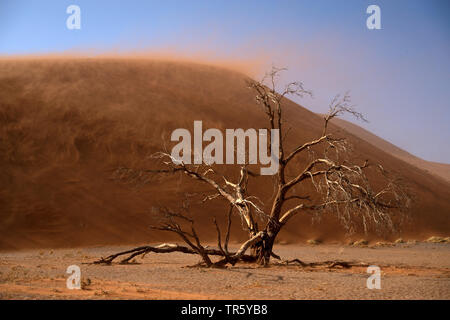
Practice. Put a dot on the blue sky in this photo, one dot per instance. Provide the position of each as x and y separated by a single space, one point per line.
399 76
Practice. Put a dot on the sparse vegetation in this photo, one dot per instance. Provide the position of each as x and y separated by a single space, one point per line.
435 239
360 243
383 244
86 283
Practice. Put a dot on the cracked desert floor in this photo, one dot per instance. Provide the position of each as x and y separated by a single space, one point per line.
408 271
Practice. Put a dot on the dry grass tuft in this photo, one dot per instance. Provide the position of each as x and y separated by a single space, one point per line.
435 239
360 243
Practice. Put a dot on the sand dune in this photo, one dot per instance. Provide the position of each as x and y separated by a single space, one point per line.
65 124
441 170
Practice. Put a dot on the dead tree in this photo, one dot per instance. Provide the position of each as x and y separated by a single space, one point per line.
339 186
172 221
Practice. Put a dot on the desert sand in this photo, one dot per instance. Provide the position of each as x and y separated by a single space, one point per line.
408 271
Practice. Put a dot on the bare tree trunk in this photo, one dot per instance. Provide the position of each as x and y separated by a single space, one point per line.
263 249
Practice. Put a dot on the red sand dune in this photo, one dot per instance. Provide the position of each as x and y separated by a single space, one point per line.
65 124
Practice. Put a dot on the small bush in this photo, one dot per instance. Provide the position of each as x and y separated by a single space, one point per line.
361 243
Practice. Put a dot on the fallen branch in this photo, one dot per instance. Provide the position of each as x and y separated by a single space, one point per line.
329 264
162 248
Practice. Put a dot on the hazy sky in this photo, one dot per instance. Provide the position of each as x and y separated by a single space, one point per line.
399 76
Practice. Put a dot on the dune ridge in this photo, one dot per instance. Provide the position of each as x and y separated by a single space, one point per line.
441 170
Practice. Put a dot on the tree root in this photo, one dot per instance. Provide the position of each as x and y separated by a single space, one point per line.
329 264
169 248
226 258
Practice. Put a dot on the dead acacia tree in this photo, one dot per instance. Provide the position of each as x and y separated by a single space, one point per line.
335 184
